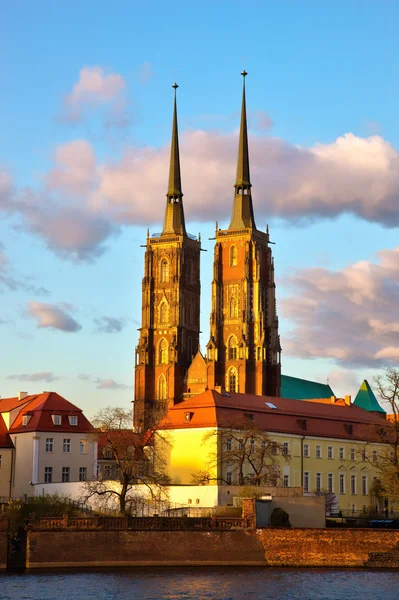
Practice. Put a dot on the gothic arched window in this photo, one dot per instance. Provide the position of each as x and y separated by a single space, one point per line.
164 271
232 380
233 256
163 313
232 348
163 352
233 308
162 392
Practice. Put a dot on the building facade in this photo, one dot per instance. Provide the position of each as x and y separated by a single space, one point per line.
51 442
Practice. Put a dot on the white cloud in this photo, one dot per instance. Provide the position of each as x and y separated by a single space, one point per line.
350 316
51 316
109 325
95 88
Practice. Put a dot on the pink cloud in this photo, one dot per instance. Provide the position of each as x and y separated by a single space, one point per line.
50 316
349 316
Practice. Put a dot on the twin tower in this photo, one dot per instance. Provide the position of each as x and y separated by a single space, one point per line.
243 353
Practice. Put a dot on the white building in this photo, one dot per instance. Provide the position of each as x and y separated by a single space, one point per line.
46 440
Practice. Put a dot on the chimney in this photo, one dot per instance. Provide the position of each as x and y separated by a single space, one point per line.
348 400
333 399
22 395
219 389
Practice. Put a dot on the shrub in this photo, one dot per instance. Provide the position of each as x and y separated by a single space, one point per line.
280 518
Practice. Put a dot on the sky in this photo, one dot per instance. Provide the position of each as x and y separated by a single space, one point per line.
85 123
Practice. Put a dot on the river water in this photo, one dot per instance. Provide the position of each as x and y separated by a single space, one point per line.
202 584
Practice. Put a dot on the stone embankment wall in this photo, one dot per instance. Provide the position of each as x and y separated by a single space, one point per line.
141 548
3 543
330 547
263 547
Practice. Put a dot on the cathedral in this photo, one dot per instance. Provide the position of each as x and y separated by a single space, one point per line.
243 353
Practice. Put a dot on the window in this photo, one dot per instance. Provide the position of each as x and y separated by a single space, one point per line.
232 348
25 420
306 481
233 256
49 444
274 448
232 380
162 395
83 446
364 485
66 474
107 471
163 313
197 501
341 453
240 444
56 419
318 451
353 454
285 449
363 454
228 445
228 478
73 420
330 452
306 450
353 484
318 482
374 456
48 474
330 483
164 271
66 445
342 483
286 480
189 501
233 308
251 444
163 352
82 473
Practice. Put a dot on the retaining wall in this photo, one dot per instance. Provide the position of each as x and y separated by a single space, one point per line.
3 543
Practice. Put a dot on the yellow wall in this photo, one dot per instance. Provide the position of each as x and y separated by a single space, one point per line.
5 471
189 453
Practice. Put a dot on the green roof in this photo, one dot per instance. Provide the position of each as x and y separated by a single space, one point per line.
303 389
366 399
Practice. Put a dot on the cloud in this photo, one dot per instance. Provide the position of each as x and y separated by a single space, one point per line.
13 284
84 376
145 73
85 200
109 325
110 384
47 376
96 89
349 316
51 316
259 120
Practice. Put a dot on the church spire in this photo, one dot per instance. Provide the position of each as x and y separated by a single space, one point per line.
174 214
243 214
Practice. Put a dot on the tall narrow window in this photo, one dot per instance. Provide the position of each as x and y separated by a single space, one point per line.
330 483
163 352
306 481
318 482
162 388
232 348
48 474
342 483
364 485
232 380
233 256
164 271
318 451
66 446
66 474
163 313
286 481
353 484
233 308
82 473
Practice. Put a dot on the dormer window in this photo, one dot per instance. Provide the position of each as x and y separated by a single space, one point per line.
73 420
56 419
26 419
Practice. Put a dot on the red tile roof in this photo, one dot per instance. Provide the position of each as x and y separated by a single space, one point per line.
41 407
211 409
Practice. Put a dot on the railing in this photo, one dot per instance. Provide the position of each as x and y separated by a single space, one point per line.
141 523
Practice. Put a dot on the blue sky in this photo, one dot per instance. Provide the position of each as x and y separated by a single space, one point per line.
85 120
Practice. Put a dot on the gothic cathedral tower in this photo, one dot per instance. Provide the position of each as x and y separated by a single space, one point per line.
169 333
244 353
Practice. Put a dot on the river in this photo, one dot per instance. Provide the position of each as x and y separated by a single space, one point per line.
202 584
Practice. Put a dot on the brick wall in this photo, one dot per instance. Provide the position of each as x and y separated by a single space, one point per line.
125 547
3 543
329 547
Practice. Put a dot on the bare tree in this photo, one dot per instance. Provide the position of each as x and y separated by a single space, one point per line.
136 458
387 460
245 455
330 499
